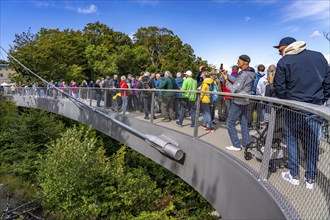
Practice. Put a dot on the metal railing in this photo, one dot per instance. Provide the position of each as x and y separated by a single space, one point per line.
284 135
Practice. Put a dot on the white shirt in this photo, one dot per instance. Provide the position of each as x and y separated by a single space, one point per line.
261 86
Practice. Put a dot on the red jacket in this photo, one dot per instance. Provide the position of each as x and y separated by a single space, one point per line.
224 87
123 85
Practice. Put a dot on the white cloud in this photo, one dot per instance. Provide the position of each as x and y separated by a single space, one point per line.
247 18
292 29
43 4
315 10
88 10
316 34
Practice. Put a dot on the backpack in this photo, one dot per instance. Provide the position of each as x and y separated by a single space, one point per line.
146 85
213 88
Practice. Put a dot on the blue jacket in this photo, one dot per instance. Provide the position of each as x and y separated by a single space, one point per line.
179 82
258 77
303 77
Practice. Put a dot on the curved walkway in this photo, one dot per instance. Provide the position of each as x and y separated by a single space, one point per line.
235 187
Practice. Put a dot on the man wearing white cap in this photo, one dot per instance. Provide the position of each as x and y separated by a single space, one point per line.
188 99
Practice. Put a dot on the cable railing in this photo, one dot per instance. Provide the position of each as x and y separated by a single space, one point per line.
284 135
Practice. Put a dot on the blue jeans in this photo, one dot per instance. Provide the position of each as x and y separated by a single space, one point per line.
238 112
185 104
98 99
306 127
207 121
125 102
146 106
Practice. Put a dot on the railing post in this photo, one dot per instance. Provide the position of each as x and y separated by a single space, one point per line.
105 99
152 107
268 146
90 95
197 116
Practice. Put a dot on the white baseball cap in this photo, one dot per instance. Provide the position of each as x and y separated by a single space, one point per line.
189 73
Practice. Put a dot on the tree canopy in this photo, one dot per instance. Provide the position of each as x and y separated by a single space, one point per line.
98 51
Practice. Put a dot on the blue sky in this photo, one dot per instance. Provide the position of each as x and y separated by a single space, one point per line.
218 30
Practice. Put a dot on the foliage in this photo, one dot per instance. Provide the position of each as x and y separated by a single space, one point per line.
98 51
80 182
186 201
23 135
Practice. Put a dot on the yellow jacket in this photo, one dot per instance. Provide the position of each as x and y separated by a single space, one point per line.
205 98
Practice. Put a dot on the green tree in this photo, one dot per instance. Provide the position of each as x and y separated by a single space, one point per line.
23 136
185 200
165 50
52 54
101 35
80 182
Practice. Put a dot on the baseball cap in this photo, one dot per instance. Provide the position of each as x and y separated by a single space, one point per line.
286 41
189 73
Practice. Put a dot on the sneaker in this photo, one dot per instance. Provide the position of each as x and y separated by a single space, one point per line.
192 125
209 129
232 148
309 184
204 127
166 120
178 123
146 117
287 176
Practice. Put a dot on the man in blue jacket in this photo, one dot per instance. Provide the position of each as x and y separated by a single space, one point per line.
301 75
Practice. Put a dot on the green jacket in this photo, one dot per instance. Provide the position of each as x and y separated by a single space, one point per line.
168 83
189 84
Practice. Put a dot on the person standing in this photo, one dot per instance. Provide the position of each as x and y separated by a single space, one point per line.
255 106
269 90
98 92
147 84
124 93
225 101
108 92
206 102
168 97
188 101
301 75
178 96
242 84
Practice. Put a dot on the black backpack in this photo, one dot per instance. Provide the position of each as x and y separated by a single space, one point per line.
146 84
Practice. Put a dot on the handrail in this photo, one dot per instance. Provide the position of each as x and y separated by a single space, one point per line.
322 111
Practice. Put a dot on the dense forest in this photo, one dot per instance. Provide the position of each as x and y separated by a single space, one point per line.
70 170
80 173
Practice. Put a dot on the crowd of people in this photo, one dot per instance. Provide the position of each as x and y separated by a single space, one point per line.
300 75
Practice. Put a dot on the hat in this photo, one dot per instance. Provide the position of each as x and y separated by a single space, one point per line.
189 73
285 42
245 58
